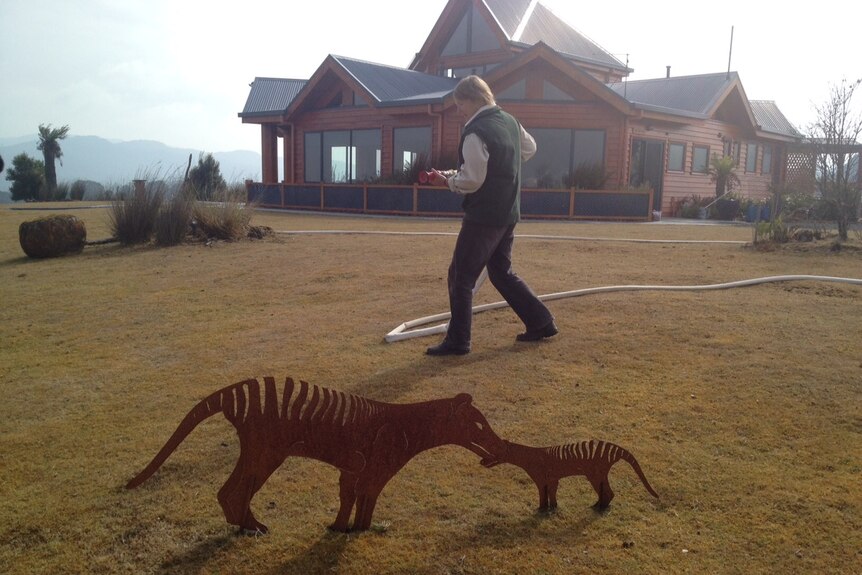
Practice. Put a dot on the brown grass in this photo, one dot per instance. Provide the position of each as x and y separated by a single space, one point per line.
742 406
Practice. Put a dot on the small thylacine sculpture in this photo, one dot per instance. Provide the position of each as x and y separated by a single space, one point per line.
547 465
368 441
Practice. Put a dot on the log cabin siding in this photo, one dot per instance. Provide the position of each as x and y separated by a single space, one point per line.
711 134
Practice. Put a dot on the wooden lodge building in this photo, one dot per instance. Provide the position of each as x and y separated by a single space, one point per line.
607 147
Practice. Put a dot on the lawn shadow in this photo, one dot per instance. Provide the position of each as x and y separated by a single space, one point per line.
392 384
196 558
556 528
322 557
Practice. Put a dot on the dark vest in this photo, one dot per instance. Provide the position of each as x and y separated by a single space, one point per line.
498 201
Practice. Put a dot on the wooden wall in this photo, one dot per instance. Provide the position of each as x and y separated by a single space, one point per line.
586 113
709 133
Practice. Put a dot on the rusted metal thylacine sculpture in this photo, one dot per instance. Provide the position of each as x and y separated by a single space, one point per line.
547 465
368 441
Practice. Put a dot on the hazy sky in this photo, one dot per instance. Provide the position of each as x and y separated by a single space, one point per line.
178 71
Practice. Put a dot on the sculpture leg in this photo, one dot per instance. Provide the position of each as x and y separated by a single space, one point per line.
552 495
244 482
603 490
543 496
365 508
347 497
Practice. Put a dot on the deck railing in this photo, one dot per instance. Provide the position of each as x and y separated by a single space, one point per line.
416 200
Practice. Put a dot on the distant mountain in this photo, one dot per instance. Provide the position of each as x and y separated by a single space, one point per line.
115 163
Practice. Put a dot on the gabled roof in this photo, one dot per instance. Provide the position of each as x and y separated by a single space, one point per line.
541 52
701 96
271 96
389 85
770 118
380 84
542 25
508 14
524 23
695 96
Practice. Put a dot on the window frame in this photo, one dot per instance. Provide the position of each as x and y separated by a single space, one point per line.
751 159
694 150
682 159
766 167
321 155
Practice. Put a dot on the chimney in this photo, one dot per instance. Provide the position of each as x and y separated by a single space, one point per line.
668 71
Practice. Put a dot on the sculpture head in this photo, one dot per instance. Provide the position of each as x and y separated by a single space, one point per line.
471 430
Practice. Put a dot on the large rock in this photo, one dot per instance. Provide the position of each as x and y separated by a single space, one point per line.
52 236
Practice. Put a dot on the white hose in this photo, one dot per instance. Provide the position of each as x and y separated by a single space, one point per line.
406 331
518 236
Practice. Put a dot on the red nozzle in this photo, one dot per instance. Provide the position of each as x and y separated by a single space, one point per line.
425 177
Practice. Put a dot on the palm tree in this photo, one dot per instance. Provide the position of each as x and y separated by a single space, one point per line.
49 143
722 173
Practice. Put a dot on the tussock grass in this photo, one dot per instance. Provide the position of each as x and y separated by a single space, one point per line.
742 406
173 222
133 216
226 218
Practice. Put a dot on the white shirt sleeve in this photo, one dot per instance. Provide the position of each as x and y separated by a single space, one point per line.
528 145
472 174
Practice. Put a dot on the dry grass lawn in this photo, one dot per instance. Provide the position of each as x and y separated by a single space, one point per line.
742 406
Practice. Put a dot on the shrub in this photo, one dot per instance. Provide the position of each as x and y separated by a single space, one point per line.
52 236
224 220
133 216
28 178
173 221
61 192
78 191
691 207
774 231
588 177
206 178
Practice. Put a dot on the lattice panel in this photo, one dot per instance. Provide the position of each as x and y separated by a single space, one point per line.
800 171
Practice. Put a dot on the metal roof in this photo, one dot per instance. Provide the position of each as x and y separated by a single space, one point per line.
508 13
271 96
545 26
770 118
695 95
391 85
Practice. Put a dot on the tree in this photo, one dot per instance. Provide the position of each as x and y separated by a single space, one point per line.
721 171
206 177
834 136
28 178
49 143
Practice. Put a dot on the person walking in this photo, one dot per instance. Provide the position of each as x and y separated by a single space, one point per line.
493 145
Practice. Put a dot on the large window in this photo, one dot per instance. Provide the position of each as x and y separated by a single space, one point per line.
699 160
676 157
751 158
565 158
342 156
313 156
365 158
410 144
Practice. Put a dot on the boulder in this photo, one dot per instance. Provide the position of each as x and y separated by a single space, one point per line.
52 236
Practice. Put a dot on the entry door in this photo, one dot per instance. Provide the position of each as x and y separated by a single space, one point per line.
647 166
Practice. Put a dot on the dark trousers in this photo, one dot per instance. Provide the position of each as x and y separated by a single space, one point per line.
481 246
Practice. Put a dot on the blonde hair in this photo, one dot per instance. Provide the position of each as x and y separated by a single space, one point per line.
474 89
